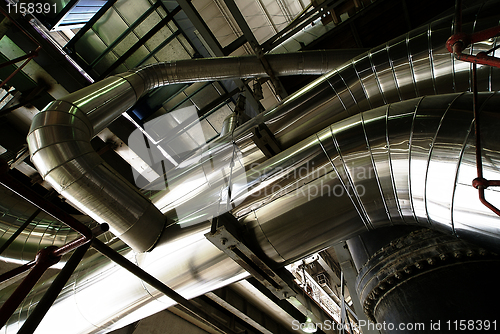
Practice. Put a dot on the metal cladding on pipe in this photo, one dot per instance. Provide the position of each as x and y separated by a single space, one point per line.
194 265
406 163
59 142
411 162
412 65
59 138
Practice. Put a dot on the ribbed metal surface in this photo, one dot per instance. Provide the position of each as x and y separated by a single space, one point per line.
59 138
405 163
415 64
59 142
405 145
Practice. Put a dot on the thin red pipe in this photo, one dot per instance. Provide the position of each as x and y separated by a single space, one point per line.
29 195
29 55
456 44
480 183
16 271
15 72
19 27
44 260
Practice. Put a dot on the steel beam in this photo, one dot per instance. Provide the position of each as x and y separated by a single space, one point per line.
215 48
350 273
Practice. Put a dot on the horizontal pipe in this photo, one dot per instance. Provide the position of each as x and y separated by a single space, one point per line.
59 138
198 266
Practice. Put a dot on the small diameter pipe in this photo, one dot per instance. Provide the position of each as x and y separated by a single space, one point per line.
480 183
45 258
53 291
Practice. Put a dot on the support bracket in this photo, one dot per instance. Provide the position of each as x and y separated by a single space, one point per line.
265 140
225 238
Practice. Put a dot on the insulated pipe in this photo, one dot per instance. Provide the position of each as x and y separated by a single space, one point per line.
409 163
194 286
59 138
406 163
380 76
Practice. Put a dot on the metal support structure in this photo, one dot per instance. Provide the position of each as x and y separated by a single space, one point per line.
250 37
299 23
27 57
157 284
265 140
71 44
44 259
15 186
53 291
349 273
141 42
19 230
215 47
125 33
225 238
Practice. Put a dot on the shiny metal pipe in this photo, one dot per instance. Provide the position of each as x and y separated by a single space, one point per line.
134 306
59 138
406 163
415 64
411 162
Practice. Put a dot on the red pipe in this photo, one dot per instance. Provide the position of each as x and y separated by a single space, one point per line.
29 55
44 259
456 44
480 183
459 41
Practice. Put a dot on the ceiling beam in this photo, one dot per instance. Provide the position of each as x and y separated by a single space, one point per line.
250 37
215 47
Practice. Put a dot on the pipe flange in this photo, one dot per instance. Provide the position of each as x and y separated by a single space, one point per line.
409 256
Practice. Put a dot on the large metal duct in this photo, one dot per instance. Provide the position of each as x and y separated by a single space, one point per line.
415 64
59 138
410 163
194 264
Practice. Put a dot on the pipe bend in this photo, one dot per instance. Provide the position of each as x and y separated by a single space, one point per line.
59 143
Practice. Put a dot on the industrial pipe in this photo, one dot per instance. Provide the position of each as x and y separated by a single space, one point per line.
197 267
59 138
